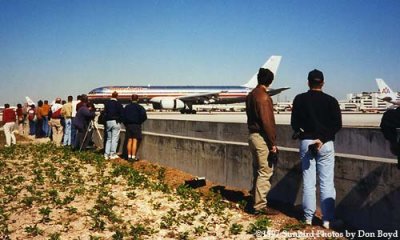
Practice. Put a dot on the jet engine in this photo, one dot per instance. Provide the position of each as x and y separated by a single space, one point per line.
167 103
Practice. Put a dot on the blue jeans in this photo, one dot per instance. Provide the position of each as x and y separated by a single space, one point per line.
46 128
73 133
113 129
67 132
324 165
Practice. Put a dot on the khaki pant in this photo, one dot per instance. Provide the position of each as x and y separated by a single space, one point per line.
57 131
261 170
9 129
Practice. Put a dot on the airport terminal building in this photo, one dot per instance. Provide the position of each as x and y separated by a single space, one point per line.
365 102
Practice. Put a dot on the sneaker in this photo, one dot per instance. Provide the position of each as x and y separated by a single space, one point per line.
308 222
335 224
326 224
115 156
106 157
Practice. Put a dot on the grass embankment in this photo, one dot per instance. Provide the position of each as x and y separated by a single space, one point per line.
54 193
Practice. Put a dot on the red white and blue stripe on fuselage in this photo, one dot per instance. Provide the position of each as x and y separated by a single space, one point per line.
220 94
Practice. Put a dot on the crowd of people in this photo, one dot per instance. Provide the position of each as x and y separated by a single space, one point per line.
315 119
71 123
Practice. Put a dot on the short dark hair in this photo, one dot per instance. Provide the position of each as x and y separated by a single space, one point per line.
6 105
135 97
265 76
114 94
70 98
84 98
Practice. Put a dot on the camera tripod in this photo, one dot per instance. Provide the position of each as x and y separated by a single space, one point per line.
92 126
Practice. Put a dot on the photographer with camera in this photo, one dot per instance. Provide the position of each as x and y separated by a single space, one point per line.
316 118
82 123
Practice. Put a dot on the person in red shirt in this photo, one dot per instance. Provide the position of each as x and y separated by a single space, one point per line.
9 119
20 118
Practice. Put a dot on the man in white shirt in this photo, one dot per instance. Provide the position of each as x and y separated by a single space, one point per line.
55 123
74 111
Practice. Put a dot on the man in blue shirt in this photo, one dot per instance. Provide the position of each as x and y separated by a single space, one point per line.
113 116
133 117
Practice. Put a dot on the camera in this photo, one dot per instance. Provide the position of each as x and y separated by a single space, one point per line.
273 158
313 149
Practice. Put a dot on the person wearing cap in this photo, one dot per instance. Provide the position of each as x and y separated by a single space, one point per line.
262 140
134 116
55 121
317 118
113 116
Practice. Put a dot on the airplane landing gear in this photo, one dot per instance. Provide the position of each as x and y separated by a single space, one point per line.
188 111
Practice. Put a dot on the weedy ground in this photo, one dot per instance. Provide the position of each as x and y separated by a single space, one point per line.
55 193
49 192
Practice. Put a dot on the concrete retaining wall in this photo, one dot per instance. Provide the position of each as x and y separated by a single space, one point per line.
367 180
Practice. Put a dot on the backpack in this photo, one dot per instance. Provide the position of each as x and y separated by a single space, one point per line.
31 115
56 114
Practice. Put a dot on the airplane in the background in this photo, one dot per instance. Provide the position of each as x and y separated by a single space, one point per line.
184 97
386 94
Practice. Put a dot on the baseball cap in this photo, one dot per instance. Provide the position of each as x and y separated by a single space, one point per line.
315 76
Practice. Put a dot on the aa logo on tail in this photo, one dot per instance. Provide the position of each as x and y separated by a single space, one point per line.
385 90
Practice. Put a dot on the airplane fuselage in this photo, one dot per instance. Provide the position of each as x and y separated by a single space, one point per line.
184 97
228 94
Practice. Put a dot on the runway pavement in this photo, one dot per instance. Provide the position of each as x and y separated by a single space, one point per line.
349 119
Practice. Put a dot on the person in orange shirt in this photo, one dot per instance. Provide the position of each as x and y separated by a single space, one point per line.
39 123
45 115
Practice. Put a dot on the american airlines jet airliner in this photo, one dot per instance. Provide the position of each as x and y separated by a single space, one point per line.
184 97
386 94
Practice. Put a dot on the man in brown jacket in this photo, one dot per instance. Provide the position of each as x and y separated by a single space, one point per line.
262 139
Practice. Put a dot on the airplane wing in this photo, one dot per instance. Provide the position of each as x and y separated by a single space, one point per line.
212 97
273 92
201 98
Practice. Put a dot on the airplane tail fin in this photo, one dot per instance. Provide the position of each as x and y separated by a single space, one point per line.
384 90
29 101
272 64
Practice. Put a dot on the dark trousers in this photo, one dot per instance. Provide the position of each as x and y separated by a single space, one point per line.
32 127
83 138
